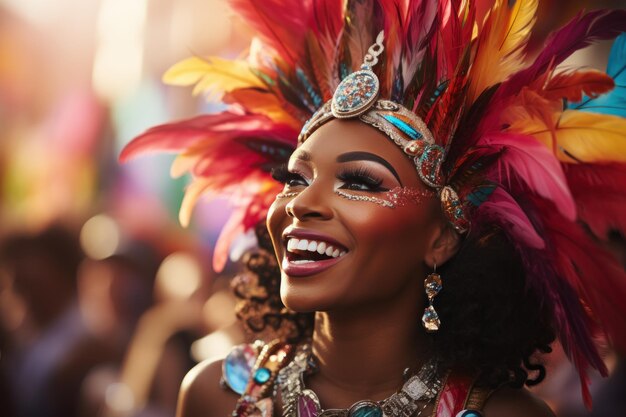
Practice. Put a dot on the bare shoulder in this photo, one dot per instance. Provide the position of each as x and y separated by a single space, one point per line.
510 402
201 394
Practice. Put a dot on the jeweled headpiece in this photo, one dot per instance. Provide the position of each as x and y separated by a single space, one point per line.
537 151
357 97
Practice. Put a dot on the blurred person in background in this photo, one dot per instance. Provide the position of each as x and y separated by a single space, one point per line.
49 349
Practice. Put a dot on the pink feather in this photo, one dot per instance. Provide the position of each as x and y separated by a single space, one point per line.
503 210
527 160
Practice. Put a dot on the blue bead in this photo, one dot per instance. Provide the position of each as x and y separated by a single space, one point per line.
469 413
262 375
366 410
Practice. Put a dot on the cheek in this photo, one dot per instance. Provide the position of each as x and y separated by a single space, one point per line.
390 242
276 218
371 224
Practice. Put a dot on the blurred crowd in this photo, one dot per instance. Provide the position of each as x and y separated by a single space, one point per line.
105 301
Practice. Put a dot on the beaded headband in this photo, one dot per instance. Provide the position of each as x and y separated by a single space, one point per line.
357 97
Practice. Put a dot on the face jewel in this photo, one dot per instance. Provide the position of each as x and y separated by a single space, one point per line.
237 366
355 94
430 319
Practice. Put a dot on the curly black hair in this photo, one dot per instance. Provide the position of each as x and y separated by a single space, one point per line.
493 324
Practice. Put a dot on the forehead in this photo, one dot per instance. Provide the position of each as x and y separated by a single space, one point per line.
341 136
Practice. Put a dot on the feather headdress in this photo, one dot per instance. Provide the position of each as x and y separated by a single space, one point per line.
538 151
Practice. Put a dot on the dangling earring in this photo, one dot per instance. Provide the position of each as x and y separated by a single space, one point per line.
432 286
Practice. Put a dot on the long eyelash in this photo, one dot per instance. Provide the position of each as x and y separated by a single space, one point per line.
360 174
283 175
280 173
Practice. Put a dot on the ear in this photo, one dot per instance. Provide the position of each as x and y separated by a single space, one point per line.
444 244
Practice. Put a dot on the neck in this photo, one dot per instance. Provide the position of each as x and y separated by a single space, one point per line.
363 352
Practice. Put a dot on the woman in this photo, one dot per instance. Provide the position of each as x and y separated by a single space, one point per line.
437 216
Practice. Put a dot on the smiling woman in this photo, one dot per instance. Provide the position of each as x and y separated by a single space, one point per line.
435 226
338 195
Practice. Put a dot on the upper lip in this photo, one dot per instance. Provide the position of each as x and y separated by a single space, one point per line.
312 235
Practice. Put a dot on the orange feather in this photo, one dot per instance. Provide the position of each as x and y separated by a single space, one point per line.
572 85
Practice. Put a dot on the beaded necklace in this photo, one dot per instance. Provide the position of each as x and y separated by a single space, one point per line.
299 401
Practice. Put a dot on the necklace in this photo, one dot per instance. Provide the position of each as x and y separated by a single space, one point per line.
299 401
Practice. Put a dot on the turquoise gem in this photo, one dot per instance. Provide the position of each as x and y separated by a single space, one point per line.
237 367
469 413
262 375
366 410
403 126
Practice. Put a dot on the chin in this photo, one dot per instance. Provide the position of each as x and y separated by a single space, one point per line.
302 298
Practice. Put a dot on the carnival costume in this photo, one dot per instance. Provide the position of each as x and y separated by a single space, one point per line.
536 150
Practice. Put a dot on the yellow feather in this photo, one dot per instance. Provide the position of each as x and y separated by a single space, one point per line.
500 48
214 76
582 136
263 102
182 164
192 194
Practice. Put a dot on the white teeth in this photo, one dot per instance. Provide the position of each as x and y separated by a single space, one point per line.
292 244
301 261
321 247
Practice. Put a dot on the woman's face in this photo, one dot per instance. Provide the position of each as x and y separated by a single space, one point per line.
337 193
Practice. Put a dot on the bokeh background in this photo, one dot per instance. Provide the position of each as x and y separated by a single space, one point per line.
105 301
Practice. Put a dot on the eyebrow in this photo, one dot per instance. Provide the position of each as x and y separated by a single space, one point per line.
302 155
366 156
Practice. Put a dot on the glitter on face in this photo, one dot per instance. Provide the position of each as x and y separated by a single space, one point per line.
394 198
287 195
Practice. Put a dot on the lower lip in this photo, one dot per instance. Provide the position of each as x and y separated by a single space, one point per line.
309 268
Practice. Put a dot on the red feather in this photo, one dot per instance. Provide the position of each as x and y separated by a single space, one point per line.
583 282
599 193
202 130
279 23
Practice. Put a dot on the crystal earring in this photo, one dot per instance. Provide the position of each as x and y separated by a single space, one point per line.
432 286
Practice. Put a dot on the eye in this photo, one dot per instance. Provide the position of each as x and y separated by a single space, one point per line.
290 179
361 179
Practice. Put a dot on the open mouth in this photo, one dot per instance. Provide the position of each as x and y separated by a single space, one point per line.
302 251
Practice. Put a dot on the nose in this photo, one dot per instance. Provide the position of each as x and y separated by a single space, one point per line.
311 203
